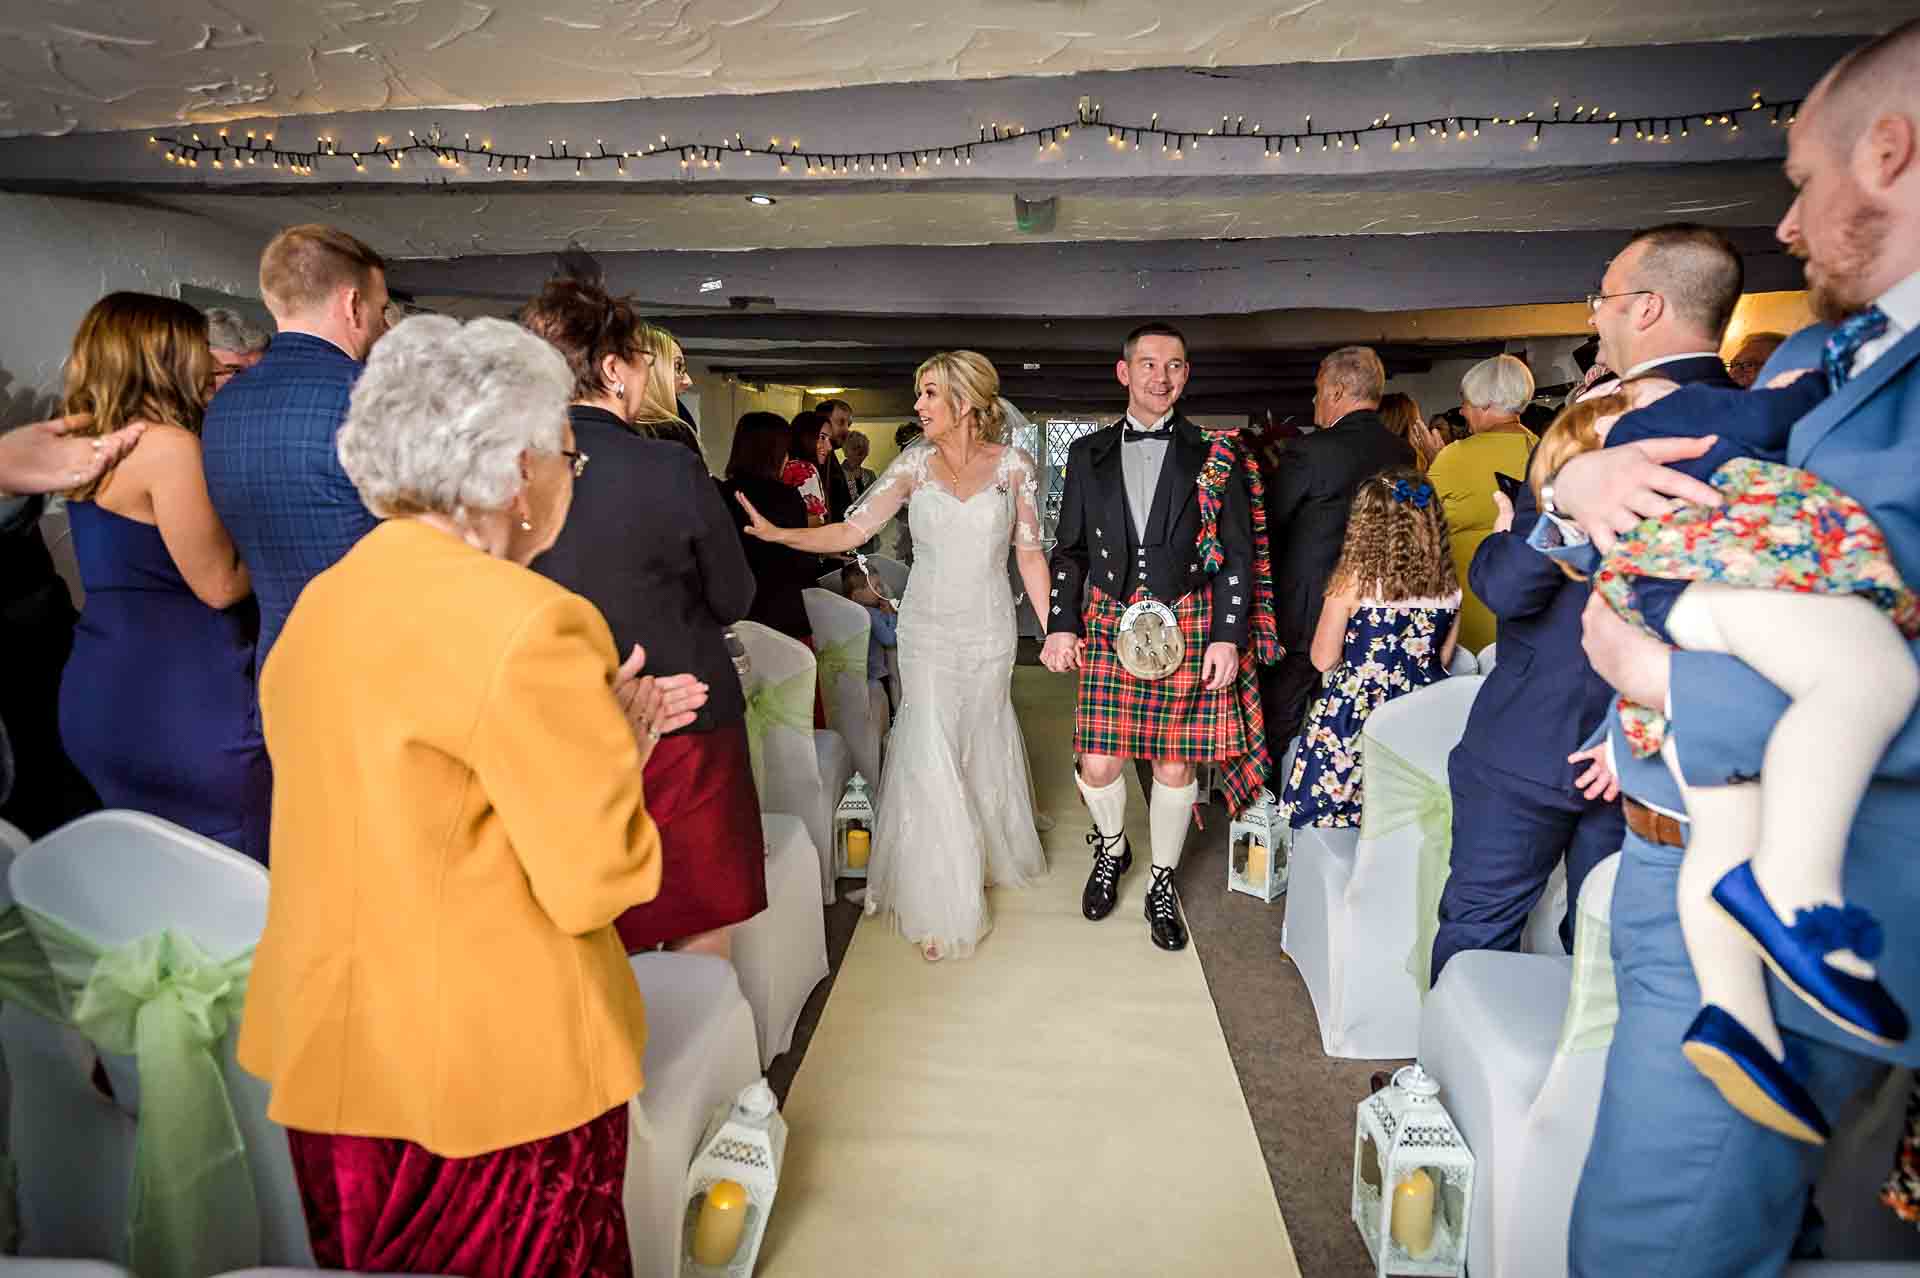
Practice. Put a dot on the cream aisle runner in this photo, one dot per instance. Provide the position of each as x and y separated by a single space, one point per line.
1061 1103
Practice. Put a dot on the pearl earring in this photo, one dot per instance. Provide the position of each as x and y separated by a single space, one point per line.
619 390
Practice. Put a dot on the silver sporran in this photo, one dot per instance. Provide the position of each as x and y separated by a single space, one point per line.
1149 643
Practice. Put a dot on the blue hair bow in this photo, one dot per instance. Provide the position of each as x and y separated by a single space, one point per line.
1419 494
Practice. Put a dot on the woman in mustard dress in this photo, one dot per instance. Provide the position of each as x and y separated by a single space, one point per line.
1492 394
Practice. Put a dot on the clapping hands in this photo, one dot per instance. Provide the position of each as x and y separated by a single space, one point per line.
655 707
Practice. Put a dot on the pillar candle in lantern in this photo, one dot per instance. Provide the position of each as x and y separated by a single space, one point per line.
723 1217
1413 1213
1256 861
859 845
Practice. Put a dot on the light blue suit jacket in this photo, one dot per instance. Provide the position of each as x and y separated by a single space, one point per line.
1864 440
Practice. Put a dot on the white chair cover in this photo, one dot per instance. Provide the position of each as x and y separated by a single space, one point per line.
780 953
800 772
841 630
1354 903
1464 663
1519 1044
891 572
115 877
1486 658
700 1053
1542 933
13 839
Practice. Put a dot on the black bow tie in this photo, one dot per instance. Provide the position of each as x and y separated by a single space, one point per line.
1162 434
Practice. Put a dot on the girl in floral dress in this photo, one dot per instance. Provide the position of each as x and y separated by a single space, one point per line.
1795 579
1388 627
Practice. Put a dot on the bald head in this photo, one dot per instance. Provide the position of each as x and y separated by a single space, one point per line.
1880 76
1853 156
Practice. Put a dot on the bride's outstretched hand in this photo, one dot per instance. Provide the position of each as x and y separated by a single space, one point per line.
757 525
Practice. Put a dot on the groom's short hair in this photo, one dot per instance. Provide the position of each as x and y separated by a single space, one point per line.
1157 328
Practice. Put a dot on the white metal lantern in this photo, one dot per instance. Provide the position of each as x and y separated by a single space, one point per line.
731 1184
1258 846
1412 1179
853 831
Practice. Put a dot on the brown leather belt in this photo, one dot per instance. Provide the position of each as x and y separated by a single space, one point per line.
1655 827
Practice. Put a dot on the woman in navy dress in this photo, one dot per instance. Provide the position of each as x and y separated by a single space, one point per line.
157 699
1388 627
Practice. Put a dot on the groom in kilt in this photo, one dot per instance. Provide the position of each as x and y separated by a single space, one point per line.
1161 532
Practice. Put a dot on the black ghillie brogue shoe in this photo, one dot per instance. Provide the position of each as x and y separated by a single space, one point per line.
1102 892
1163 911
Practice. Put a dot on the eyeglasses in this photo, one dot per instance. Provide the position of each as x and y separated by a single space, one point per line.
1594 299
579 461
1746 365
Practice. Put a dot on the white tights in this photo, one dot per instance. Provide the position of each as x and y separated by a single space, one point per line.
1853 683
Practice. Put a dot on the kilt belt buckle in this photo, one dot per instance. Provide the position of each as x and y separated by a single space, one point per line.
1149 643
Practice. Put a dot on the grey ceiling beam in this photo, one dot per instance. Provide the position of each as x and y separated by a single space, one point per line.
1103 279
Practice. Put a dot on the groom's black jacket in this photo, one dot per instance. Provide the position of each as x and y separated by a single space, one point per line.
1096 546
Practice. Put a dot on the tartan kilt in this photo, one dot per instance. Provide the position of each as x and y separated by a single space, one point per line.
1175 719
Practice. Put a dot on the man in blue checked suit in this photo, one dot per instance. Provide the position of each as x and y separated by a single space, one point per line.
268 438
1677 1182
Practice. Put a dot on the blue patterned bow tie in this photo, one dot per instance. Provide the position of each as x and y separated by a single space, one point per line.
1845 342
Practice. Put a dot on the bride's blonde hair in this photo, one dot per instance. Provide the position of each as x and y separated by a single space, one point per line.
968 380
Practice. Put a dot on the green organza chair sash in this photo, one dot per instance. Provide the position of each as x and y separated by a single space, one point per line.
1593 1004
1399 794
846 659
789 704
168 1004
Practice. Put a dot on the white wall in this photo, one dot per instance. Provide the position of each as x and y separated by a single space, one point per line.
63 254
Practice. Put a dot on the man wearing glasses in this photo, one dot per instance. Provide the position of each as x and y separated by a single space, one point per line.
1665 302
1751 356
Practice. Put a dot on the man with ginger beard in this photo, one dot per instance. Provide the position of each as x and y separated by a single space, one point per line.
1677 1181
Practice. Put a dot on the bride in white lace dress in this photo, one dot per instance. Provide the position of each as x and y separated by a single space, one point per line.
955 802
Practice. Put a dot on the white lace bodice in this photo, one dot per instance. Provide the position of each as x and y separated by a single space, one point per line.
959 590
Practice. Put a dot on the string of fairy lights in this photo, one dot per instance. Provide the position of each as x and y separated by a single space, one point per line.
224 152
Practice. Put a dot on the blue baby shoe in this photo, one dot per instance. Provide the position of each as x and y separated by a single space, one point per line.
1798 956
1749 1077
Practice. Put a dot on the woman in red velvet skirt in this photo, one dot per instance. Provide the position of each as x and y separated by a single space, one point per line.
652 545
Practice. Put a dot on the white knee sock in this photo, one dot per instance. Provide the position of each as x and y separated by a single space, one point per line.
1724 821
1170 811
1108 806
1852 682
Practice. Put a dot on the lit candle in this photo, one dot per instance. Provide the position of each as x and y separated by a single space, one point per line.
859 844
1413 1213
1256 861
723 1217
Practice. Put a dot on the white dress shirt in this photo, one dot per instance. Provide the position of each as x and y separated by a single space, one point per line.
1902 306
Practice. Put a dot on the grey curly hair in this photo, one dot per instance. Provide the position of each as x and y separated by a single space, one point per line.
439 419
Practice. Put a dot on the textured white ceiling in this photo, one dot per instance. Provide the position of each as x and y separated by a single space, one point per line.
457 224
128 64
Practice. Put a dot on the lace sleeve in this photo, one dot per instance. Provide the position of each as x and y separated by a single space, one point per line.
1023 479
889 492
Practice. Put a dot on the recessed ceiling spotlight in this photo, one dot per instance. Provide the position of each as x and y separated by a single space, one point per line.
761 200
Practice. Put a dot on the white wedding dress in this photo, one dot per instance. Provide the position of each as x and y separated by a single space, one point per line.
955 801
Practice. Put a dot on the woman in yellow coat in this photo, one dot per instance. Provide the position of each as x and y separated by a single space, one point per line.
1491 394
439 1000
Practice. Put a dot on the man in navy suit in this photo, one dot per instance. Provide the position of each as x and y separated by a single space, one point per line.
1677 1182
269 434
1663 305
